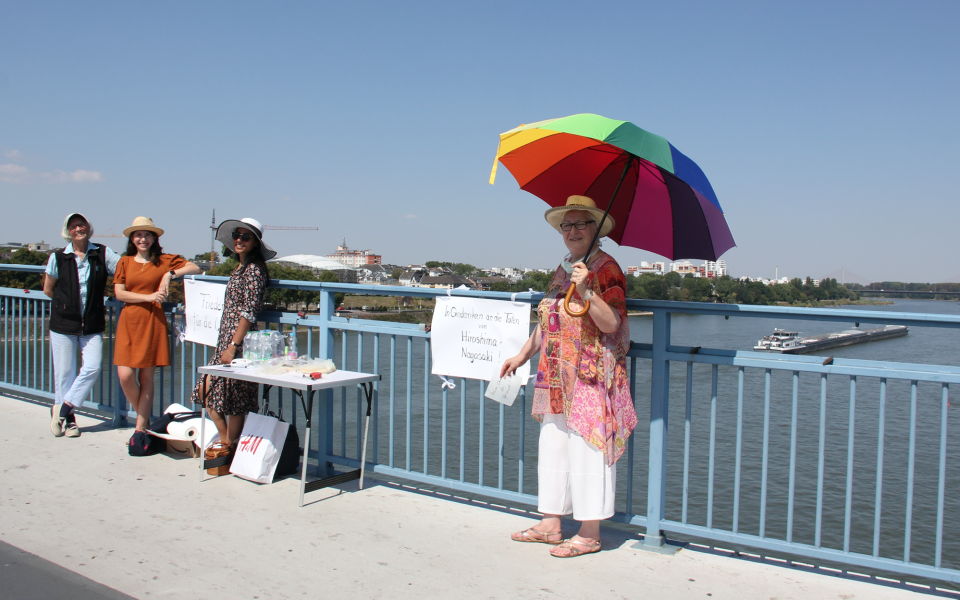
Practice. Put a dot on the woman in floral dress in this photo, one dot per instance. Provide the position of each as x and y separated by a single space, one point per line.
582 397
229 400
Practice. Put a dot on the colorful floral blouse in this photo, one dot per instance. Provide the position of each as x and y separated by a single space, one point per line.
582 372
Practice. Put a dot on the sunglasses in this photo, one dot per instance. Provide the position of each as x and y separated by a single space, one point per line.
243 237
580 225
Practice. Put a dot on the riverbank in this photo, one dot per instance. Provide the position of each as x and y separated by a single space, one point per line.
834 303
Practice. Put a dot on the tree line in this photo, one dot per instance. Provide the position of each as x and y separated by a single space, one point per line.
674 286
890 289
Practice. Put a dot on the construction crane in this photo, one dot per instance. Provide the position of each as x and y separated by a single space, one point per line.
105 236
213 232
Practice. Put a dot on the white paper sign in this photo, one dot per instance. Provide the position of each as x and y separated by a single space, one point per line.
505 389
204 308
471 336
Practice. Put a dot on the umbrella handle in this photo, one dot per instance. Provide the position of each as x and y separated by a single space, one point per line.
570 311
596 236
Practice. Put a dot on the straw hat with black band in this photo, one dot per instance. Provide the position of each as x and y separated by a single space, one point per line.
225 234
555 215
143 224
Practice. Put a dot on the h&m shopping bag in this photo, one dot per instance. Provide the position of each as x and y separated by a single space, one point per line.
258 449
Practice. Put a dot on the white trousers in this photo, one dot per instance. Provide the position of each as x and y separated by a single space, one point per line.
573 474
71 387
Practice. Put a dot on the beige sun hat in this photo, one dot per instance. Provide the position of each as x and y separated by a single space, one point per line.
65 234
555 215
142 224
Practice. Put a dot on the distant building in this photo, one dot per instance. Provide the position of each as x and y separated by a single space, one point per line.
511 273
484 283
445 282
684 267
412 277
655 268
373 274
765 281
708 269
713 269
354 258
439 271
40 247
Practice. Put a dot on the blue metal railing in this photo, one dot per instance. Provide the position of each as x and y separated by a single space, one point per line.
748 473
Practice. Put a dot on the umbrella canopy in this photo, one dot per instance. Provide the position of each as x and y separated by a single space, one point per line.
664 204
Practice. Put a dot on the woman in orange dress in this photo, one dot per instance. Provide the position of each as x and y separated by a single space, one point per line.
141 282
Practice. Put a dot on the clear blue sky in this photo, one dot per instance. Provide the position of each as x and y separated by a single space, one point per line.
828 130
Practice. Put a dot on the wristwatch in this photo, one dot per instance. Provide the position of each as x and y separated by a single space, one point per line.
173 274
587 295
234 344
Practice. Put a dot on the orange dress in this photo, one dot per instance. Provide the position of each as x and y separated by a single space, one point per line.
142 339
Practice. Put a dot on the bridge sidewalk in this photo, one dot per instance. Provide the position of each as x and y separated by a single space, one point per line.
147 528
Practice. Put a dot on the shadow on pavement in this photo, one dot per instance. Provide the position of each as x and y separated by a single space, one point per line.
26 576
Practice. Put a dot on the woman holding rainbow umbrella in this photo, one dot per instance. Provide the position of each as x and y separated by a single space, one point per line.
661 201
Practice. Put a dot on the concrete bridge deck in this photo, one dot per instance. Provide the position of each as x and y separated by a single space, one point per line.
145 527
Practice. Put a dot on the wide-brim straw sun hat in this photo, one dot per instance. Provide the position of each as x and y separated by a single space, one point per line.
65 234
555 215
225 232
143 224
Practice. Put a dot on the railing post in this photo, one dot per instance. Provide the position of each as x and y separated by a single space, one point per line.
120 402
325 399
654 538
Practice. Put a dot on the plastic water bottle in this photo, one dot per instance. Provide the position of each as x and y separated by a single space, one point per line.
257 347
275 344
254 349
291 340
247 343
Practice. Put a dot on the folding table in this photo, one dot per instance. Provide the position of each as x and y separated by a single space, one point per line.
298 384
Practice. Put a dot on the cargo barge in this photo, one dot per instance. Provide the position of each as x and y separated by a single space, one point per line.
790 342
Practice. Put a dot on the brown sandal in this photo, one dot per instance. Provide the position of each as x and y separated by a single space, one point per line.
576 548
218 450
545 537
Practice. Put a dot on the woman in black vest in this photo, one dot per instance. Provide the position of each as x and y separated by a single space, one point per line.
75 280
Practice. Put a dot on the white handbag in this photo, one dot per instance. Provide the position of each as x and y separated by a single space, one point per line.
258 449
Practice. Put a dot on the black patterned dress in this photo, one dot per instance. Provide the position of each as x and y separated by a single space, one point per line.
243 298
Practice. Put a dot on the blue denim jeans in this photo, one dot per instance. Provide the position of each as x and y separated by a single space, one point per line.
71 387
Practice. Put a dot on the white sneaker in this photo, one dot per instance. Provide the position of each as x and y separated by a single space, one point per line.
56 421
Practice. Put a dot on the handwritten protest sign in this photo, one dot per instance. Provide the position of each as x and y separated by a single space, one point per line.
204 308
505 389
470 336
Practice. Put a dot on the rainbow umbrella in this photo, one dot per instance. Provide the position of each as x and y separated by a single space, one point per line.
660 200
